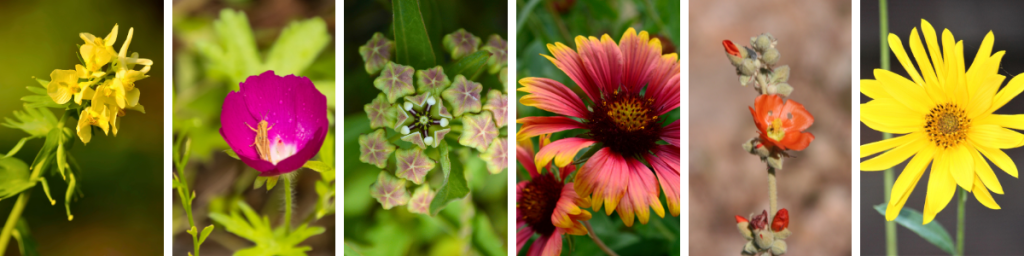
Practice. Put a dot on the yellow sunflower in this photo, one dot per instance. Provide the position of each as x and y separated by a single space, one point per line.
946 117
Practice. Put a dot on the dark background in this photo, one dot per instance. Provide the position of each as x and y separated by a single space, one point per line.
988 232
122 210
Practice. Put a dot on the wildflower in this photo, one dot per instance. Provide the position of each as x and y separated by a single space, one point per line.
460 43
96 51
631 85
546 205
64 85
95 115
761 239
781 125
275 124
946 117
376 53
389 191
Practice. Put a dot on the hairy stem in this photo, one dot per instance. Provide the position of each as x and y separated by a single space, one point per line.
773 198
961 210
287 203
600 244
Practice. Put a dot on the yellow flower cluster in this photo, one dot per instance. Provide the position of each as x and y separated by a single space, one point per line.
101 91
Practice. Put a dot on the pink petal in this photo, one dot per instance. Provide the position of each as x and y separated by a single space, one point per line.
670 133
638 53
569 62
552 96
664 86
602 60
668 178
522 236
562 151
643 192
537 125
525 157
606 175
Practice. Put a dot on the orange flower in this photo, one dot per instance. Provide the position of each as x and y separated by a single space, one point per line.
781 125
731 48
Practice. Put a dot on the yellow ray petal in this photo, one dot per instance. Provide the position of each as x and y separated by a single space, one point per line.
922 60
983 196
933 49
1012 89
993 136
893 157
948 51
984 172
907 181
888 115
961 166
897 48
960 89
872 88
984 52
1009 121
905 91
999 158
981 102
941 188
883 145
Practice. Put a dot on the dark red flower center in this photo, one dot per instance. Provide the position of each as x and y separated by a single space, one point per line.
537 201
626 123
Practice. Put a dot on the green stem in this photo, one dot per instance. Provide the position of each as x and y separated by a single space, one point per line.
287 203
961 209
19 206
773 198
890 226
600 244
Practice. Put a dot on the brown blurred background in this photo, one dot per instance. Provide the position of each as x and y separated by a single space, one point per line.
988 232
814 39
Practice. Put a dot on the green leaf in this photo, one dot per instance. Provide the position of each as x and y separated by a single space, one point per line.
272 181
468 66
41 101
298 46
26 244
260 180
13 177
68 194
18 146
232 154
62 161
320 167
484 237
932 232
454 185
206 232
233 56
268 241
413 46
34 121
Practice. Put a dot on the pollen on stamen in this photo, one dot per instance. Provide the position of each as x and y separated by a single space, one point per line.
946 125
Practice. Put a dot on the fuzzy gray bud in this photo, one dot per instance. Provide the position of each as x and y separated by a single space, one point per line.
784 89
763 42
771 56
780 74
748 67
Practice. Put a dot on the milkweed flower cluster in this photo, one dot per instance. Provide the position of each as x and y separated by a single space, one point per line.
781 126
945 115
422 108
103 86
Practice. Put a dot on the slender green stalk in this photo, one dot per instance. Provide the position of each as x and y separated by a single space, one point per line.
287 203
19 206
890 226
600 244
961 209
180 162
773 197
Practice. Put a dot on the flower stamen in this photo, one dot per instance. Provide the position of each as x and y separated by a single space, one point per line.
947 125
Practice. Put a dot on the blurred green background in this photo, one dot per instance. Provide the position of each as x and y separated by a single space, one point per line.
203 77
479 221
122 211
542 22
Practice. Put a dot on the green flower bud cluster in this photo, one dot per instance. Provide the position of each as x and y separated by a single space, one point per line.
756 64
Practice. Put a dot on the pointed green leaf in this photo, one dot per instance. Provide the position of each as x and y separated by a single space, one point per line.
232 154
932 232
260 180
271 182
18 146
14 177
468 66
454 185
26 244
320 167
413 46
206 232
34 121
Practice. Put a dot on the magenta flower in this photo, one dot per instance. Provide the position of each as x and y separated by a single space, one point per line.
274 124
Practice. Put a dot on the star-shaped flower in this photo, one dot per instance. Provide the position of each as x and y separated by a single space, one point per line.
463 95
496 156
460 43
497 104
375 149
499 53
380 112
432 80
395 81
413 164
376 53
421 199
478 131
389 191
